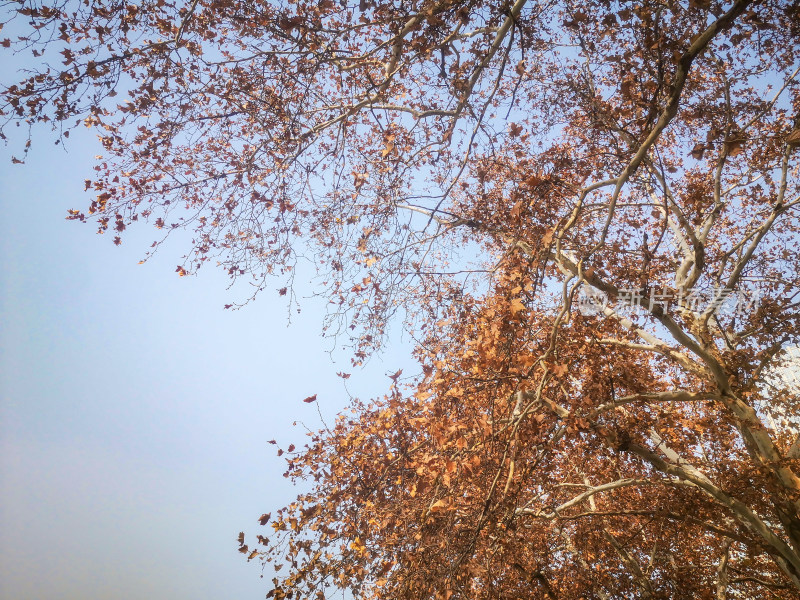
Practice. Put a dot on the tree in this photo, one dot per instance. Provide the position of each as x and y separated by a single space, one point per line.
585 213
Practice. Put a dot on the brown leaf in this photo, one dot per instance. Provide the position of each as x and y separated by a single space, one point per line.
698 151
734 143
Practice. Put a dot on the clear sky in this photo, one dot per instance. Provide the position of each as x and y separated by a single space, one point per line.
134 410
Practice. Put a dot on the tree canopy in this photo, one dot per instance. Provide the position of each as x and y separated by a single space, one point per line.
586 214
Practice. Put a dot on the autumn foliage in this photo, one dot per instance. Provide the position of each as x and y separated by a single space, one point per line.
585 213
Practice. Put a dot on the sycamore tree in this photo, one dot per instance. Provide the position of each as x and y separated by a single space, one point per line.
586 214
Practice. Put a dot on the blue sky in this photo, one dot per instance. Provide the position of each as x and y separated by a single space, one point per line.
134 410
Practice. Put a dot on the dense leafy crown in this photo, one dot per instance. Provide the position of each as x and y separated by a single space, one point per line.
556 197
